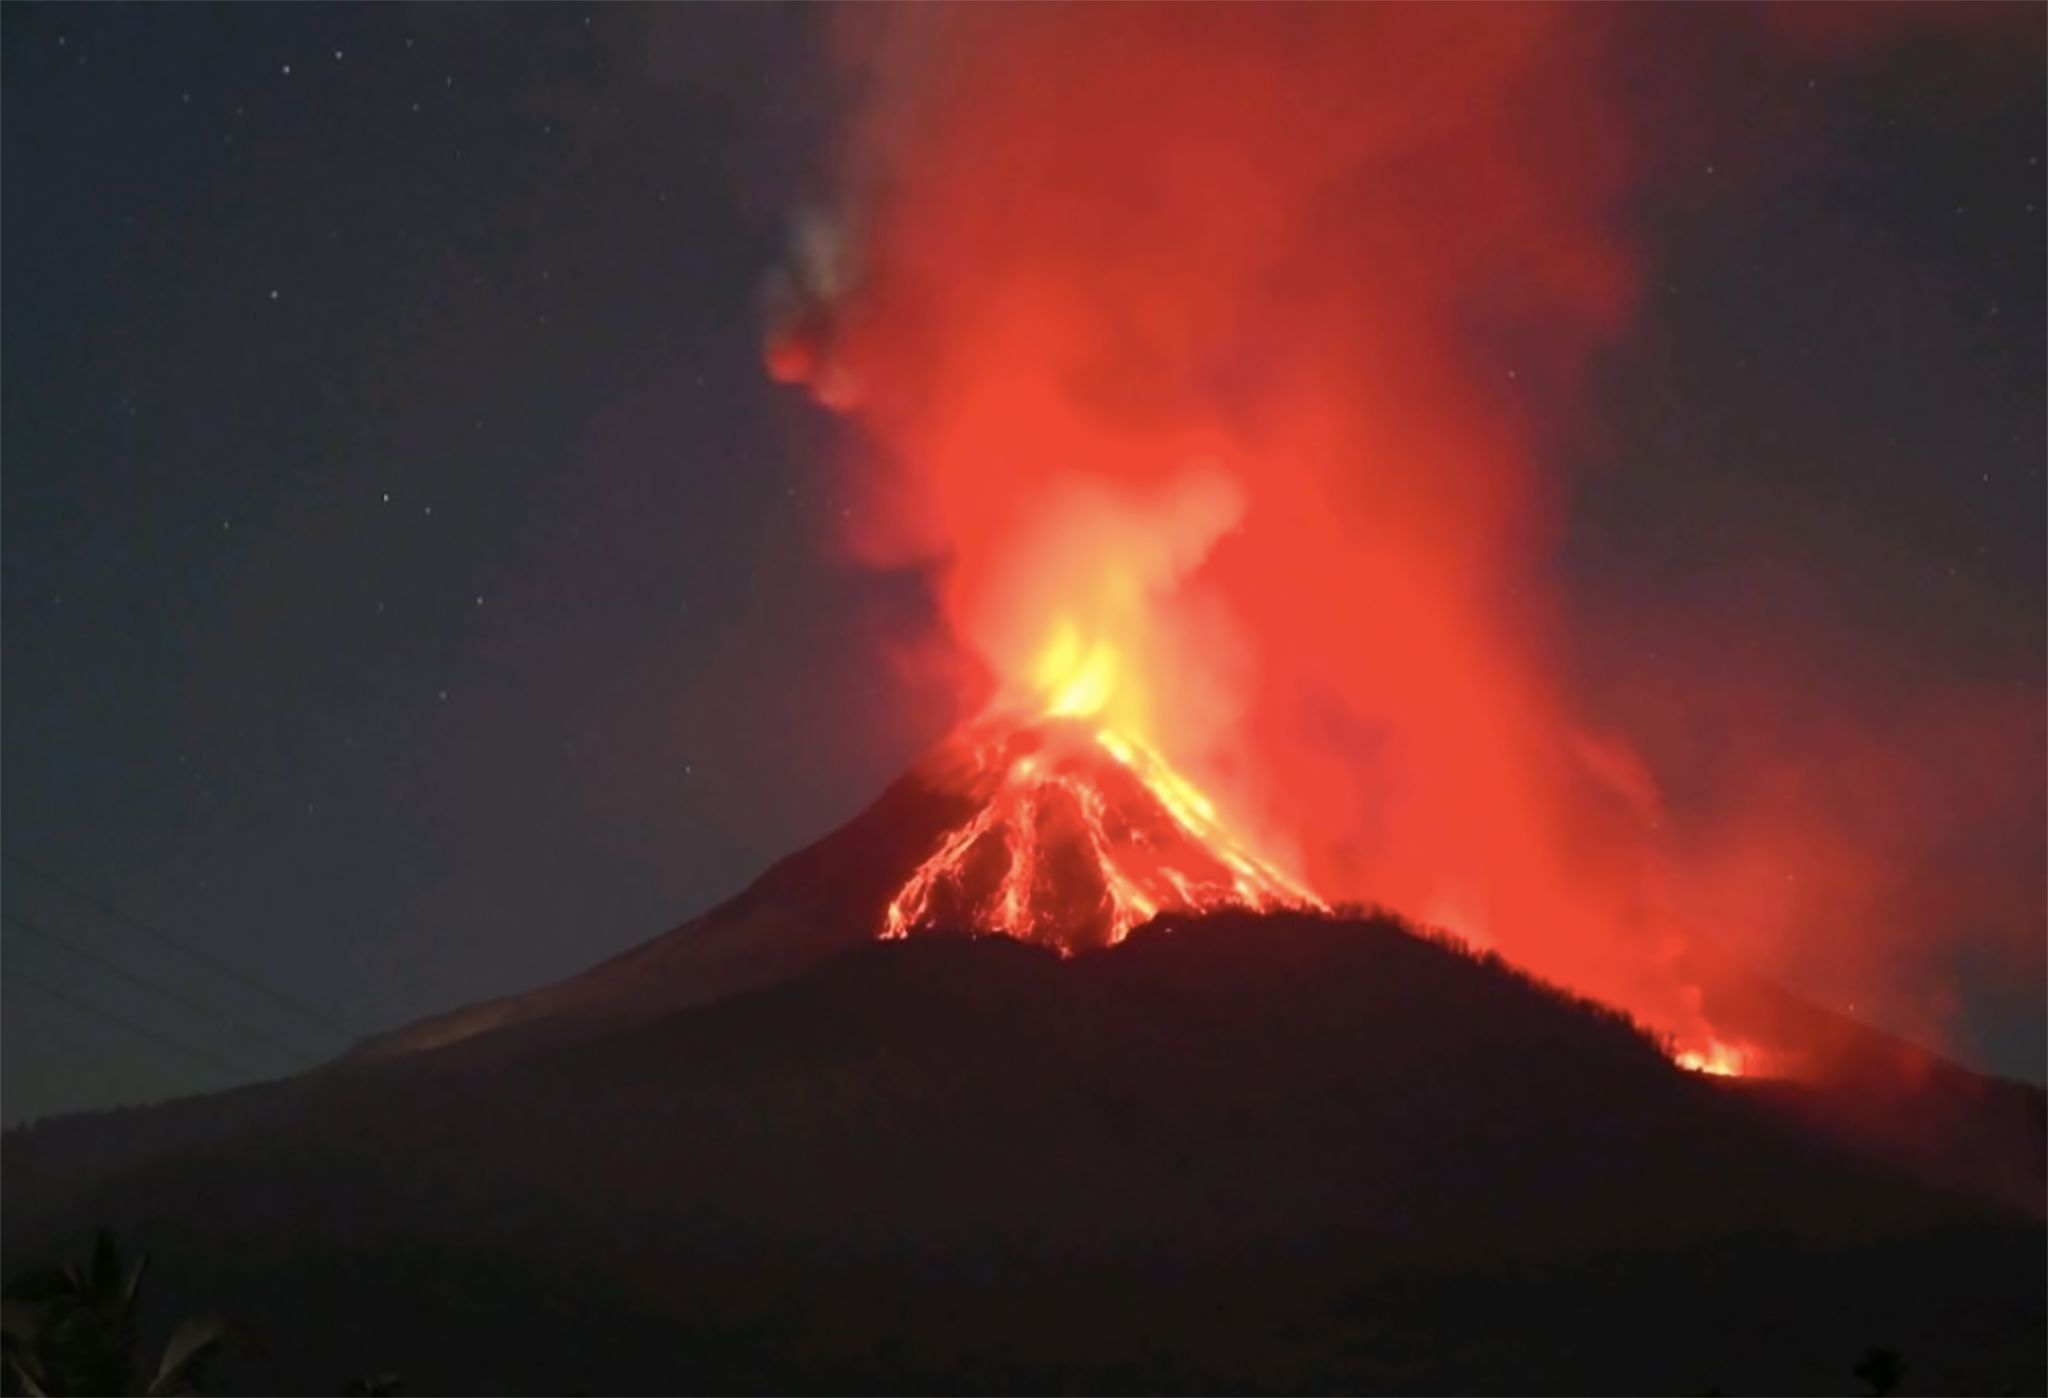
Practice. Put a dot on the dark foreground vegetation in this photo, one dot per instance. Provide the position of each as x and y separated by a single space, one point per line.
1256 1154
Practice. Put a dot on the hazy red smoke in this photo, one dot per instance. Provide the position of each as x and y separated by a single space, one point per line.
1235 335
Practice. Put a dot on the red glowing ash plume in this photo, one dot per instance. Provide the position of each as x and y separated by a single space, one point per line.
1209 356
1179 333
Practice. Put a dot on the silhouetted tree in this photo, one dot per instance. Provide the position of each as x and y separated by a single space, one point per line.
71 1330
1883 1370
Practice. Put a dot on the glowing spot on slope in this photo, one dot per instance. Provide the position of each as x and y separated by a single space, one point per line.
1717 1059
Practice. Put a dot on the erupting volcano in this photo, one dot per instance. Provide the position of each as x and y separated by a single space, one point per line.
1206 388
1218 396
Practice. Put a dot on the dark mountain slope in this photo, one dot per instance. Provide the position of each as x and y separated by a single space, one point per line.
1277 1152
1889 1097
824 898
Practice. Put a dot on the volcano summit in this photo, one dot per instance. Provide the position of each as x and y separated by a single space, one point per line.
1078 835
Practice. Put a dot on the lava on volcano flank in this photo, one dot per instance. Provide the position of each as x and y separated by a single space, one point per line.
1079 834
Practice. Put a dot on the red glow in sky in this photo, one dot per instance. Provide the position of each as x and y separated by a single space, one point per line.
1221 350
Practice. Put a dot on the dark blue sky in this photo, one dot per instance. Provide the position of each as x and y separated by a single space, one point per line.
414 591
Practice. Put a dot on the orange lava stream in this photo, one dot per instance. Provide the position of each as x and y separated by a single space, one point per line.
1079 841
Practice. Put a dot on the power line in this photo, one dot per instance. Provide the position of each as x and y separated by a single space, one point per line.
113 968
64 997
107 909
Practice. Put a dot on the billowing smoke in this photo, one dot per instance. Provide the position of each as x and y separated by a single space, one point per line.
1231 340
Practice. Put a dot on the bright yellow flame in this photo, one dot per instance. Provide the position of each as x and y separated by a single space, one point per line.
1076 678
1718 1059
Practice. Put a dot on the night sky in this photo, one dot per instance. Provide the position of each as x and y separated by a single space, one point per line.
414 590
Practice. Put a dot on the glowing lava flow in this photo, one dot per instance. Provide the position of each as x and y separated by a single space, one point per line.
1082 833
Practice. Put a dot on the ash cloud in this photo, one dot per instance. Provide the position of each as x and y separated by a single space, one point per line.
1359 265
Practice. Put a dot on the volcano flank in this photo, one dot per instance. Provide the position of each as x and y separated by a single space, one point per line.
1057 831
